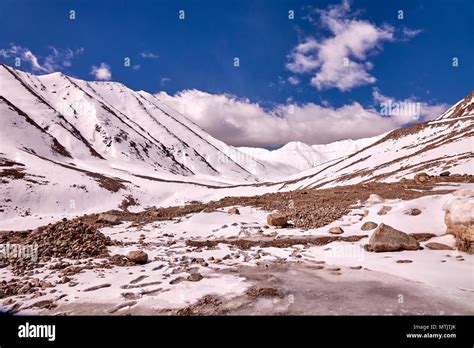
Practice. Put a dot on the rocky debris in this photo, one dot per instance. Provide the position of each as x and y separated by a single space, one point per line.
15 287
386 238
336 230
369 225
421 178
97 287
445 174
412 211
194 277
137 256
422 237
438 246
277 219
65 239
233 211
459 219
282 242
120 260
404 261
355 267
109 219
374 199
384 210
208 305
255 292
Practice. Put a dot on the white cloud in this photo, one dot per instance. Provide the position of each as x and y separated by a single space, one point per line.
56 60
148 55
103 72
241 122
408 110
340 60
293 80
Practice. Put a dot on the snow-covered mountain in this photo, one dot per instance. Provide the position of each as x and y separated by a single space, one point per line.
69 147
443 144
107 122
303 156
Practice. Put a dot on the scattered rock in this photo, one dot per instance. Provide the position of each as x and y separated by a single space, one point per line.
277 219
438 246
137 256
233 211
336 230
404 261
369 225
387 238
446 173
412 211
356 267
384 210
195 277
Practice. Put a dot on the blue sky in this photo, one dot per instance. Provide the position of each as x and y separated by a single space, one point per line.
409 58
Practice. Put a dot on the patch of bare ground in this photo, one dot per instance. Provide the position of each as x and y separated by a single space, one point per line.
128 201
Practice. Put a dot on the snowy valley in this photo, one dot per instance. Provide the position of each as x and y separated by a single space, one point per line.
132 208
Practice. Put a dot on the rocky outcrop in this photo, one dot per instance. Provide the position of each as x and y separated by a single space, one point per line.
459 219
387 238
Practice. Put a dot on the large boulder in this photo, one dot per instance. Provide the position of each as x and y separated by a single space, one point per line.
277 219
137 256
459 219
387 238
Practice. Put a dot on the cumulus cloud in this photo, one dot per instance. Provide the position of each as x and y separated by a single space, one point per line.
102 72
407 111
241 122
340 60
56 60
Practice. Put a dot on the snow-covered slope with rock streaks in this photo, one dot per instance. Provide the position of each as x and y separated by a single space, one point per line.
443 144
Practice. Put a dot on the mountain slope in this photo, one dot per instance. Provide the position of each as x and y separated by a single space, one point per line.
130 130
445 143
